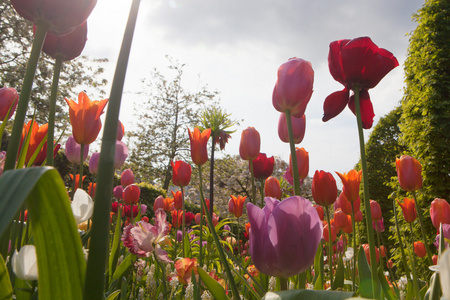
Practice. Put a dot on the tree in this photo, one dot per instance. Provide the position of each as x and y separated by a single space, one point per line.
161 132
425 121
16 36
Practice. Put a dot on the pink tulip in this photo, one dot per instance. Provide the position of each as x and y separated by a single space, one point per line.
8 97
73 149
120 155
298 128
93 162
126 178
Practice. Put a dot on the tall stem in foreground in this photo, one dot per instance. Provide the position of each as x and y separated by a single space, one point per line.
253 182
400 243
330 245
52 108
95 272
211 178
413 259
295 176
24 98
422 228
365 178
354 249
183 226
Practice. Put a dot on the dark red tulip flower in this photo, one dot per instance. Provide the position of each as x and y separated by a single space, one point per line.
62 16
357 63
263 166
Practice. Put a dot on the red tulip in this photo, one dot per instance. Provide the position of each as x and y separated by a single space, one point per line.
181 173
85 118
177 200
302 163
419 249
250 144
127 177
323 188
272 188
198 139
159 203
340 219
346 205
263 166
375 210
358 215
326 235
382 251
320 211
131 194
197 218
409 173
188 218
298 128
8 99
409 209
177 218
351 181
127 210
66 47
236 205
215 219
62 16
440 212
349 226
294 87
356 63
367 251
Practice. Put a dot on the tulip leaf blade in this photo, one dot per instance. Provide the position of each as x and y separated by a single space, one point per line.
307 294
388 293
58 245
124 266
6 291
213 286
339 279
115 245
365 276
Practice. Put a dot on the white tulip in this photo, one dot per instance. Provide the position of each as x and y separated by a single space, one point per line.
82 206
24 263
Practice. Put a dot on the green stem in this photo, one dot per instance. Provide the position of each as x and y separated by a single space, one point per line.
95 272
365 177
52 108
400 243
202 209
354 248
24 98
183 226
81 168
222 256
283 284
253 182
422 228
330 245
262 192
379 247
295 176
238 238
211 177
413 259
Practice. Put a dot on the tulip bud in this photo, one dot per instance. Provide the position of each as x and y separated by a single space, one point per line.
298 128
408 209
419 249
320 211
367 251
294 87
73 149
409 173
181 173
326 235
340 219
121 154
346 205
324 189
24 263
440 212
188 218
143 209
375 210
131 194
250 144
93 162
349 226
8 100
272 188
118 192
159 203
262 166
177 200
120 131
82 206
302 163
127 177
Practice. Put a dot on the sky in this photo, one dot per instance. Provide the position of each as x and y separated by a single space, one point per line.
236 47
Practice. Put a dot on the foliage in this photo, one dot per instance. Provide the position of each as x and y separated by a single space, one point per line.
425 121
160 135
16 36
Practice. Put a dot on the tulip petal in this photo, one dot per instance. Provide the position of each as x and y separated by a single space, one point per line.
334 104
82 206
334 61
366 108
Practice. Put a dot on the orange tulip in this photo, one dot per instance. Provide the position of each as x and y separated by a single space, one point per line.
199 152
349 226
351 181
181 173
419 249
302 163
250 144
91 189
320 211
340 219
409 209
177 218
38 133
272 188
177 200
367 251
184 268
409 173
324 189
85 118
326 235
236 205
440 212
77 180
346 205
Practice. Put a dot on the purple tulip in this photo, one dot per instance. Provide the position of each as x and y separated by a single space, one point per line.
73 151
118 192
93 162
378 225
284 236
121 154
143 209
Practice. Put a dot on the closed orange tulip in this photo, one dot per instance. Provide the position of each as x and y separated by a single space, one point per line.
408 209
272 188
177 200
351 181
199 152
236 205
302 163
250 144
440 212
419 249
409 173
85 118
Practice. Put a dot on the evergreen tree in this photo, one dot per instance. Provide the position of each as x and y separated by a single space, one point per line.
425 121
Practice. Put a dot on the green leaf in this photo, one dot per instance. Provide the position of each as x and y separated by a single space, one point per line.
187 246
388 293
6 290
114 256
307 294
365 277
213 286
124 266
318 265
113 295
339 279
58 245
